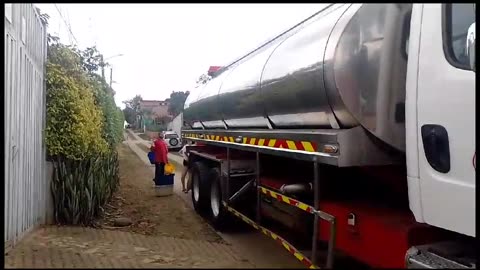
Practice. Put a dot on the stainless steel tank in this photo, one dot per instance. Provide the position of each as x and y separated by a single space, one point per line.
343 67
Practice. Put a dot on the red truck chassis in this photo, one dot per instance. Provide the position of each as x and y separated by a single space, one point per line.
297 188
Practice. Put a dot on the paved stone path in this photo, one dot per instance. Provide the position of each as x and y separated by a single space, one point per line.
77 247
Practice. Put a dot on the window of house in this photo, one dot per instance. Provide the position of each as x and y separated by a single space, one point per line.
457 18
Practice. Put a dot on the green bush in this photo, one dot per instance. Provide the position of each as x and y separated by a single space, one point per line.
74 122
112 115
81 188
84 125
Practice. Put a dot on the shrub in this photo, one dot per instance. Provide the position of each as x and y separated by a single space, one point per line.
81 188
83 127
74 122
112 115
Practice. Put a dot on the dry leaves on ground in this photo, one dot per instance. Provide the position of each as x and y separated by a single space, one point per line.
151 215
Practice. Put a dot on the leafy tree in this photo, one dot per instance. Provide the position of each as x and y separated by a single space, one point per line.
74 122
134 103
130 115
112 121
43 16
91 59
176 102
79 100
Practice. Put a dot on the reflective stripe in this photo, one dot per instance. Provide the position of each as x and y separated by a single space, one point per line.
288 200
274 236
273 143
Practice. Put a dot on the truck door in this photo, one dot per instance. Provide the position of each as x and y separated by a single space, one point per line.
446 117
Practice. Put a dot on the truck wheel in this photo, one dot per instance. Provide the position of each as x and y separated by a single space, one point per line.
200 187
219 216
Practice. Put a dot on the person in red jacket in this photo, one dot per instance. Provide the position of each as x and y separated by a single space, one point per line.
161 156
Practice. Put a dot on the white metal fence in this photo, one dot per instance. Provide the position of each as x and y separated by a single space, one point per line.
27 189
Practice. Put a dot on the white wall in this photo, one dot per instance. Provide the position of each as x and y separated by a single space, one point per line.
27 189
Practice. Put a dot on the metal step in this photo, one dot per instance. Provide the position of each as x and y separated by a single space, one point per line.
242 174
427 256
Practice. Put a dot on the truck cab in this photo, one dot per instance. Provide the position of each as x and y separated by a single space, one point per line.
440 125
440 116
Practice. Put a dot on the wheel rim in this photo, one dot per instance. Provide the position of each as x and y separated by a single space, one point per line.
196 188
215 200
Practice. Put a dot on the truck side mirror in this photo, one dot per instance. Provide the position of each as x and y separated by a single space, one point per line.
470 48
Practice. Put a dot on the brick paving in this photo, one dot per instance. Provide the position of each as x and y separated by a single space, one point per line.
78 247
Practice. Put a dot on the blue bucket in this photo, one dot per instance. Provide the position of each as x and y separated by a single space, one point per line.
165 180
151 157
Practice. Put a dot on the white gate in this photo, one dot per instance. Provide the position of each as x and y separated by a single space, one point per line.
27 190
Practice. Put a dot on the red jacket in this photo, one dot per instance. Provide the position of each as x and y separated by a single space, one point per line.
161 151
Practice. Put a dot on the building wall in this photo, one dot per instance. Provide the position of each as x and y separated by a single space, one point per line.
27 189
158 108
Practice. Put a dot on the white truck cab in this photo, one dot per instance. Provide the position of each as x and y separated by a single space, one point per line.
440 116
440 125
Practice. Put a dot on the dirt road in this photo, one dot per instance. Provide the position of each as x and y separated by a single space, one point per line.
248 242
155 216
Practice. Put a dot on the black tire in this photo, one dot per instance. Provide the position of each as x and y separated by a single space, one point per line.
200 185
220 217
173 142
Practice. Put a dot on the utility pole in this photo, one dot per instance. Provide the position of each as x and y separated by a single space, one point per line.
102 65
111 72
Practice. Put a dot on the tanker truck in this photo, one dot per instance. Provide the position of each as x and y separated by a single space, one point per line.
350 137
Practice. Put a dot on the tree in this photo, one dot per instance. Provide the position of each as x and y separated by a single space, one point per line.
134 103
130 115
91 59
44 17
134 106
74 121
177 100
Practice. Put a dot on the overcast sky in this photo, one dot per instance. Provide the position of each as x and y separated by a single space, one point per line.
166 47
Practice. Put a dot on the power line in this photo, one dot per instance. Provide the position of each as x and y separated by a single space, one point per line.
67 16
66 24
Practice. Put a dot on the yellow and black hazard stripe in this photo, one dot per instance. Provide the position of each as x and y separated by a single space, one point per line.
305 260
271 143
288 200
192 135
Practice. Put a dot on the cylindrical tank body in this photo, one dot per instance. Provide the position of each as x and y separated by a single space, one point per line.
343 67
